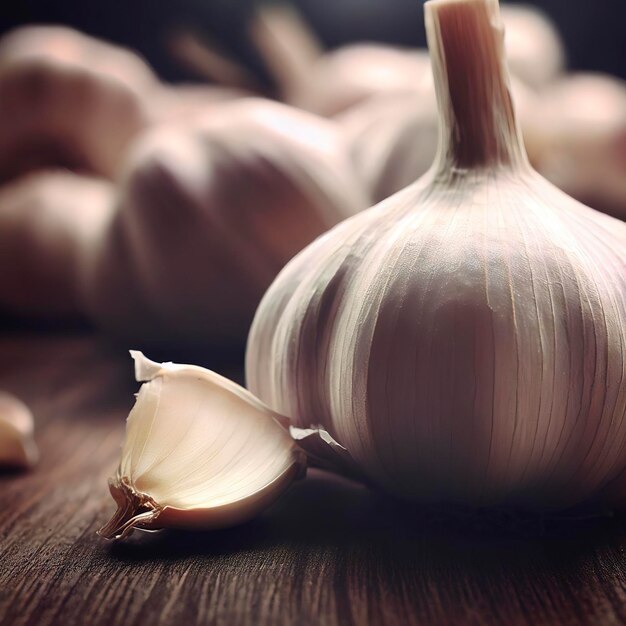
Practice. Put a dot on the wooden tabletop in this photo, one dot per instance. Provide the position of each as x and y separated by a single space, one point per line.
330 552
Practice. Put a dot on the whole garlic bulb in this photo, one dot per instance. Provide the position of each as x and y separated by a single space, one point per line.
465 340
579 139
49 224
209 213
68 100
330 83
534 49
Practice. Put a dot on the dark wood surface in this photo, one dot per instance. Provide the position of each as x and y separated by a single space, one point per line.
330 552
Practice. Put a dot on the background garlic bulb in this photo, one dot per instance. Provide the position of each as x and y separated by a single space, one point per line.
465 340
209 213
329 83
393 140
49 224
578 137
200 452
67 100
534 50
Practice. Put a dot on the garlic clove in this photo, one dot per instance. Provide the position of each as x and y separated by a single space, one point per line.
200 452
17 445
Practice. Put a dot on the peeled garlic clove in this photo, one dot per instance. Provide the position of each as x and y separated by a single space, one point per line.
534 49
17 446
49 224
465 339
68 100
209 213
200 452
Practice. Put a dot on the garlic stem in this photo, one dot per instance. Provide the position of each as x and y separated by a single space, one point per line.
478 126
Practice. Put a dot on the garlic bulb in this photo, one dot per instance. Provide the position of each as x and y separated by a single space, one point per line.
534 49
200 452
17 446
579 139
49 223
464 340
328 84
209 214
67 100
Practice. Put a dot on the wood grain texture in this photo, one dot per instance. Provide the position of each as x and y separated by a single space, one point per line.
329 552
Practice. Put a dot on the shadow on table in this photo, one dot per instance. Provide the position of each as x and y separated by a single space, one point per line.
330 514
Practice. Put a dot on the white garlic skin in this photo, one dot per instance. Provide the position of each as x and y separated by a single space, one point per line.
473 357
209 213
464 340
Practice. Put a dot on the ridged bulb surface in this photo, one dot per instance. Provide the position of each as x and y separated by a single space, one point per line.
465 340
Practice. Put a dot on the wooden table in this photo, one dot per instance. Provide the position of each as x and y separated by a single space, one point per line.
330 552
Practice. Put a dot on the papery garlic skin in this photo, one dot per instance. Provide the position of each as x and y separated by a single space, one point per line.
200 452
209 213
17 445
465 340
49 225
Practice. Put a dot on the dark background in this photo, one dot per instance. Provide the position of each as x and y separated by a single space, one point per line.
593 30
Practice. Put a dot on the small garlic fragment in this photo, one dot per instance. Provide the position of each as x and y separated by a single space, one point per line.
200 452
17 446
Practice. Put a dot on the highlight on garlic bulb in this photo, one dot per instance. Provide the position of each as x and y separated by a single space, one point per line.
579 139
330 83
534 49
209 213
464 340
49 224
67 100
200 452
17 445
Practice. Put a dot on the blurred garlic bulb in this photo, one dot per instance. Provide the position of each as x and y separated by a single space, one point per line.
200 452
67 100
465 340
209 214
534 49
329 83
579 139
393 140
49 223
17 446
